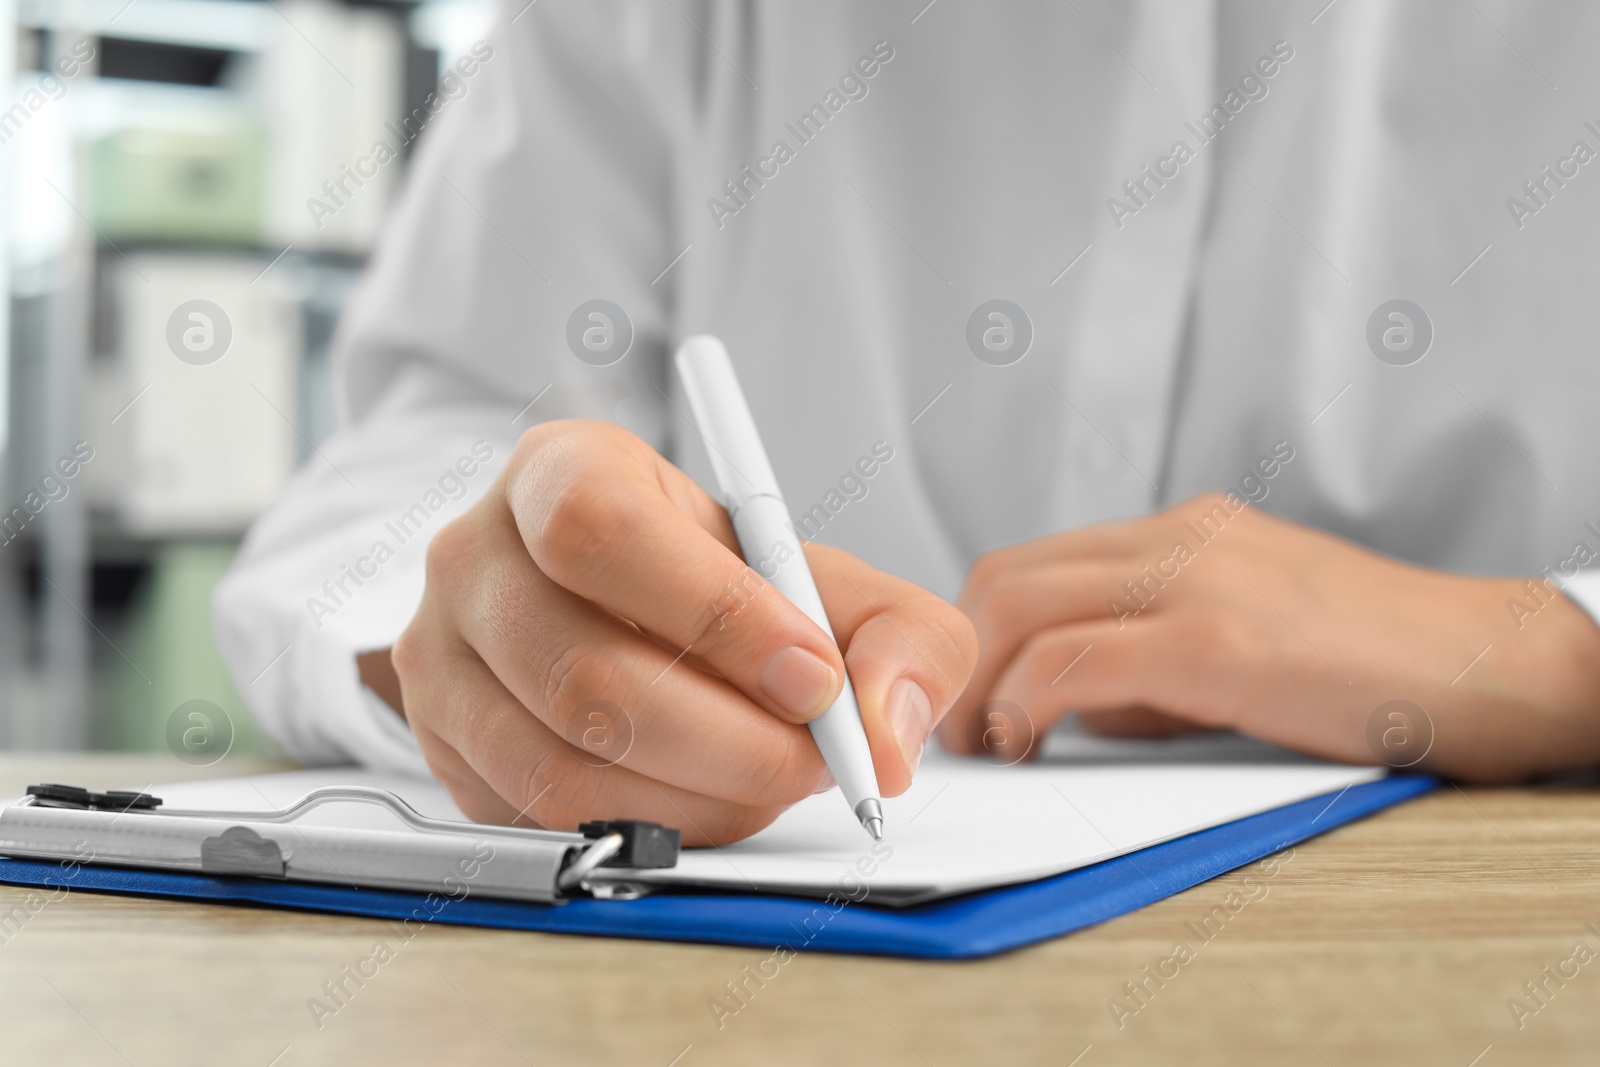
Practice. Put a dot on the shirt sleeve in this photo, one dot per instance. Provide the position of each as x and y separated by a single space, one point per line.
335 568
542 183
1583 589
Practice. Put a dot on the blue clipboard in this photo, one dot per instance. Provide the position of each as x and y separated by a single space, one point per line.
979 924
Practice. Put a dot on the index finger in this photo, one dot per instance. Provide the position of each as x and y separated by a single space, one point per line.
910 653
606 517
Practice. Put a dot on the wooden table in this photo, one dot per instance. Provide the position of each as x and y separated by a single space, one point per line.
1400 939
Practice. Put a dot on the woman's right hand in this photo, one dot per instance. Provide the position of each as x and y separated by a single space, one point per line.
591 645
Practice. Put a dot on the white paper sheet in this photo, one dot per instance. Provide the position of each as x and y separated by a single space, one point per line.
963 826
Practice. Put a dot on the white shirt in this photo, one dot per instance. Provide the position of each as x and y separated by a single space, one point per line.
1183 327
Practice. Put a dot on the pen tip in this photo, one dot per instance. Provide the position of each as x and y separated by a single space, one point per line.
870 812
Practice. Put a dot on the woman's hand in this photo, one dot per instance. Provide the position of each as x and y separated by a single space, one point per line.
591 645
1215 614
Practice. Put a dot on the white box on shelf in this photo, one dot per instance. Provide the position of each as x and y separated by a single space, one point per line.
208 370
332 81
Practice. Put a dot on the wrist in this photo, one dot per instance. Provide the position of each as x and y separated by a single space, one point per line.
1558 656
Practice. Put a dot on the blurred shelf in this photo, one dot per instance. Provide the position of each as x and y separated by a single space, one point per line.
326 257
223 25
112 543
220 25
185 102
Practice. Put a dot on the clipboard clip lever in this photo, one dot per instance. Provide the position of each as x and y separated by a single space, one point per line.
629 843
72 796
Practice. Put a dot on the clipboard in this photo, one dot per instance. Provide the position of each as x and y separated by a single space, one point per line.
76 828
975 925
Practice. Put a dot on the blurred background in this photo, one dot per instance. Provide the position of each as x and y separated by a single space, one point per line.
151 150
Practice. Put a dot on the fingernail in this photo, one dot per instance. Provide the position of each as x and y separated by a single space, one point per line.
827 783
911 718
799 682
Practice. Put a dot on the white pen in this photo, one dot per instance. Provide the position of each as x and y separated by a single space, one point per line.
761 521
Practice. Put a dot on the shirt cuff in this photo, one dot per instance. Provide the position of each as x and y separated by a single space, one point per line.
1583 589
